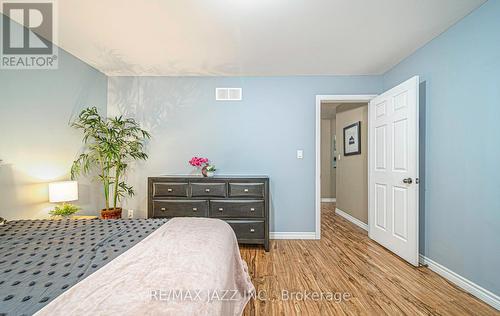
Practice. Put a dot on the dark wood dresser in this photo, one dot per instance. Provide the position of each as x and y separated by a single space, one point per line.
243 202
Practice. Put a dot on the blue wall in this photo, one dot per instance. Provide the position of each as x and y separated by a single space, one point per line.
36 142
259 135
460 71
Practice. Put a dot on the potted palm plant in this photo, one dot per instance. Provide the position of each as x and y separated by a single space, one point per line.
110 146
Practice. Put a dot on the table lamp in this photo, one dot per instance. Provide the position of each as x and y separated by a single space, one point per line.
62 192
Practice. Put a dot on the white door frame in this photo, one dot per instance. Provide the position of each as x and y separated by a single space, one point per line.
344 98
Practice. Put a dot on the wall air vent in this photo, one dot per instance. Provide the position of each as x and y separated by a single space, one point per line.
228 94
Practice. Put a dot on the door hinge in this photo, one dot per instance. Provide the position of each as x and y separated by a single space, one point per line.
417 180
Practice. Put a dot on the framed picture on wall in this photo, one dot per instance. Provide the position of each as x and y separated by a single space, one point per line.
352 139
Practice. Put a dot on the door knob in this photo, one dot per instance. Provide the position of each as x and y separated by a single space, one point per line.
408 181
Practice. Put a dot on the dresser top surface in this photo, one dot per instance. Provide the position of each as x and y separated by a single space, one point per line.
219 176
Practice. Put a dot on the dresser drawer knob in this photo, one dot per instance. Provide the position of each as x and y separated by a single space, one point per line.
252 209
252 230
207 190
221 209
195 209
163 209
245 190
169 190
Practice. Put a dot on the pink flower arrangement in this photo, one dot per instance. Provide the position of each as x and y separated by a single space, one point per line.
199 162
207 170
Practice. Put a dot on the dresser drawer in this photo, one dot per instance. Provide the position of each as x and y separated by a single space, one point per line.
248 229
246 189
175 208
178 189
234 208
208 189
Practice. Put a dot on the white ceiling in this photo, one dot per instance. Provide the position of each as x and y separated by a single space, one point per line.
251 37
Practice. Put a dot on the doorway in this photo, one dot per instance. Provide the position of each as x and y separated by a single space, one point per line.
335 100
344 160
392 164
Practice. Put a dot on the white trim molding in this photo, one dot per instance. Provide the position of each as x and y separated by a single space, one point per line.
352 219
292 235
333 98
328 200
465 284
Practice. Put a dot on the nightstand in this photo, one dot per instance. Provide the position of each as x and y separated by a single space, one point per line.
84 217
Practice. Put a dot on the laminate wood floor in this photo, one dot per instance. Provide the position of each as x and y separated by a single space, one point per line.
345 260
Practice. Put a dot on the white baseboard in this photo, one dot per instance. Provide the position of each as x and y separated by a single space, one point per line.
292 235
328 200
467 285
351 219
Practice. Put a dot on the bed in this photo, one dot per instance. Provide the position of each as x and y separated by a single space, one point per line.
126 267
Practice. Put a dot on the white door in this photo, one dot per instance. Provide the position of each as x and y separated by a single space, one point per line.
393 170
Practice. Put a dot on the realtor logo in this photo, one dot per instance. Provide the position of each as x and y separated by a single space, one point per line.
28 33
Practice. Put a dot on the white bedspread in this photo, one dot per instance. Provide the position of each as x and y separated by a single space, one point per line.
189 266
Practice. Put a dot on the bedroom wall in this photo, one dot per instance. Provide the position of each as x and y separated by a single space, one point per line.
459 71
36 143
259 135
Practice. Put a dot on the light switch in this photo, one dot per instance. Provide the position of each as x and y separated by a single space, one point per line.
300 154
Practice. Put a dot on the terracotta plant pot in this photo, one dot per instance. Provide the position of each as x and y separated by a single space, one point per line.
112 213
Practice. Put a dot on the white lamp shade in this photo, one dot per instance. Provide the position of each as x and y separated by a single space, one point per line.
63 191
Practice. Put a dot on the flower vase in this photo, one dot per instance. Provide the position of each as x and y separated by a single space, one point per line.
207 173
204 171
